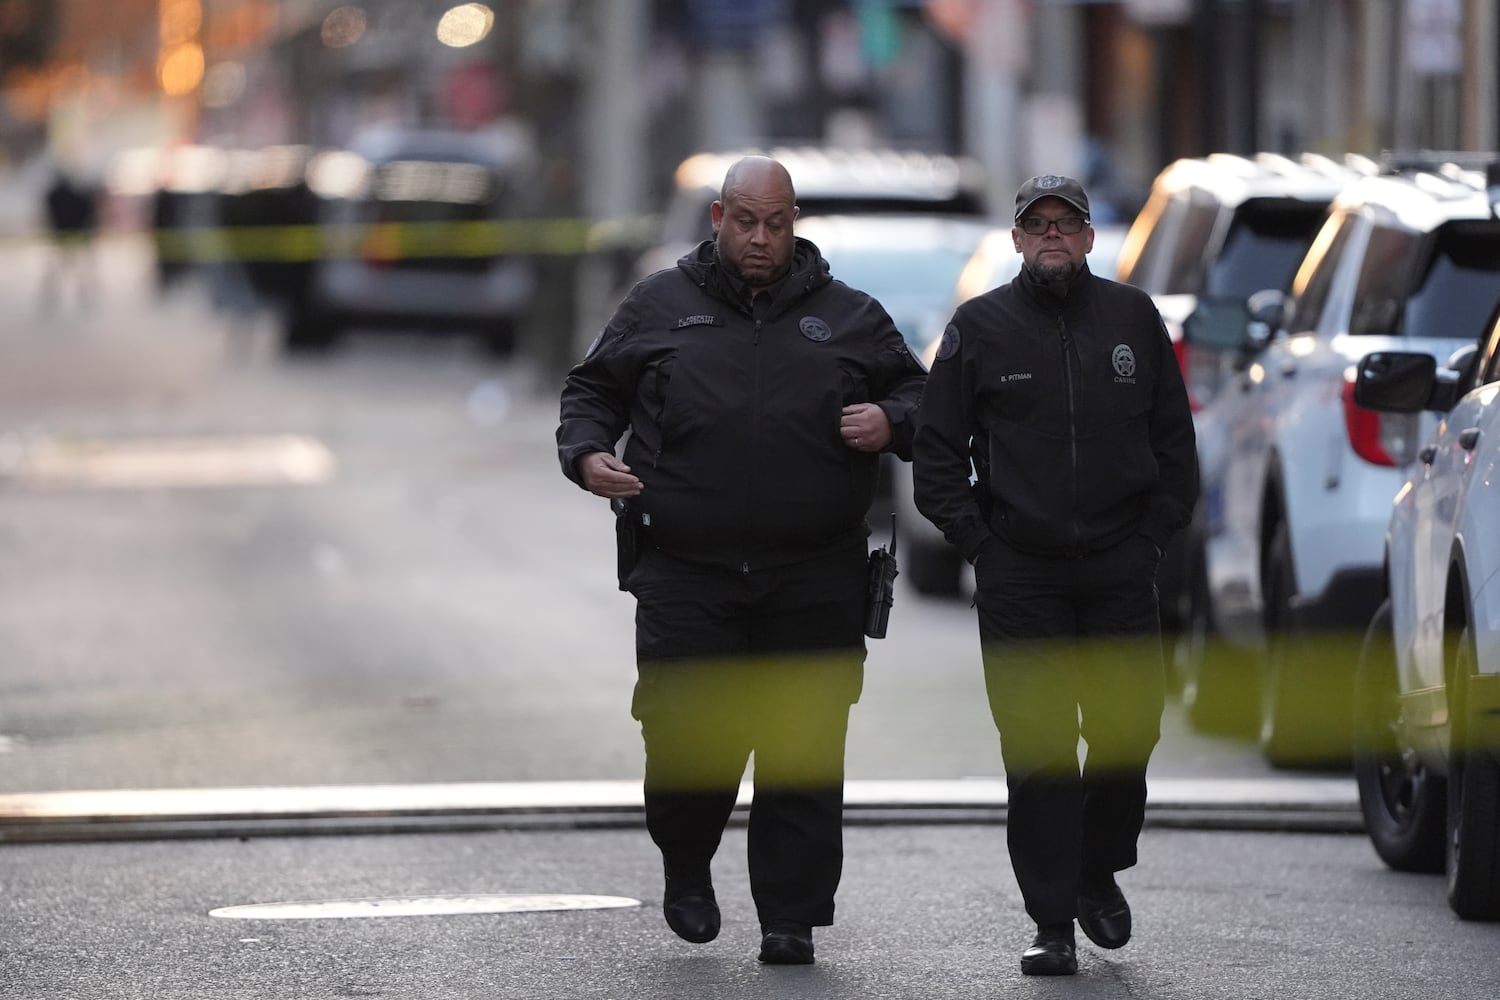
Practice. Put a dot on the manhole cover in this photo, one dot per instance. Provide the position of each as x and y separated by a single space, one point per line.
420 906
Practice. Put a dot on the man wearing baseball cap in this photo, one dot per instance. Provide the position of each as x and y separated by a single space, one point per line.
1060 395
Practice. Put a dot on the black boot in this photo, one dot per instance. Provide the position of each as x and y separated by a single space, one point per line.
689 905
1103 913
784 943
1052 953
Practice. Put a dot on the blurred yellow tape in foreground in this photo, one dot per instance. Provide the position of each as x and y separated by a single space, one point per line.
383 241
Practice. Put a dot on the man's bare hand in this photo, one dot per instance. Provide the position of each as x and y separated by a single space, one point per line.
865 427
605 475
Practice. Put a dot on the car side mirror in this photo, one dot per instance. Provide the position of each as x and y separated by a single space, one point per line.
1396 381
1463 362
1267 311
1454 378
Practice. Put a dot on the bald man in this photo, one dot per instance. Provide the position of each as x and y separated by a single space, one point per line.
758 394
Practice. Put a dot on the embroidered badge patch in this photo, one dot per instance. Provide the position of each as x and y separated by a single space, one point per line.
949 344
815 329
1123 359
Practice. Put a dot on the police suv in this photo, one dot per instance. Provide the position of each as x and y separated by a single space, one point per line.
1297 477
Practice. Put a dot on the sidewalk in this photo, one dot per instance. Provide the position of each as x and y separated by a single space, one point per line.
1304 803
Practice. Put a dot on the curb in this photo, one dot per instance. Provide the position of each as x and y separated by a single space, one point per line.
1291 804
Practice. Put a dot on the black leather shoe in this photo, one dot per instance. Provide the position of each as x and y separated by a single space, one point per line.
690 908
787 944
1052 953
1103 913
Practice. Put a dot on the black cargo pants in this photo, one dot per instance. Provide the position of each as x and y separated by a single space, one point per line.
764 663
1072 647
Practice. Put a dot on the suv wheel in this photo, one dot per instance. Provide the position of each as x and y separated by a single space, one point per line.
1473 839
305 330
1304 680
934 570
499 338
1402 801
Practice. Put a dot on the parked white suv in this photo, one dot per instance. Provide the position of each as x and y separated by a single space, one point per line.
1427 693
1214 230
1297 478
1218 228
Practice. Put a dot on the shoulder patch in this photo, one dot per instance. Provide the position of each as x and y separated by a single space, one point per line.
948 346
815 329
598 339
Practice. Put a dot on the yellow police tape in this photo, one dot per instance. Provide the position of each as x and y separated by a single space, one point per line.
387 241
1330 702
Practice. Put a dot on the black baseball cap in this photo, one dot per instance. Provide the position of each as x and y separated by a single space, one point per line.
1051 186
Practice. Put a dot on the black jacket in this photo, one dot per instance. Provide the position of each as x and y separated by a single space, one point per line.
734 420
1074 415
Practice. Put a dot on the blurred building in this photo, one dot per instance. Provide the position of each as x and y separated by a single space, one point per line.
615 92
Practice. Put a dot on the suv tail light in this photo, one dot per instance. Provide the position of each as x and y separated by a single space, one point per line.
1378 438
1184 364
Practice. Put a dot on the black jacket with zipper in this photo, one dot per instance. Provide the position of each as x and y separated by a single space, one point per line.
1070 411
734 409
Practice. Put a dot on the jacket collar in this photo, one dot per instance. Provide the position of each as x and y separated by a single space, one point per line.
1075 292
807 272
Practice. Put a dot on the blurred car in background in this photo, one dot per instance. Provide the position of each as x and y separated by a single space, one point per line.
909 262
931 564
267 211
1427 691
421 229
1298 477
829 181
1214 230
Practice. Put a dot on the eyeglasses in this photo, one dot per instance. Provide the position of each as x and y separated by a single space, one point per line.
1068 225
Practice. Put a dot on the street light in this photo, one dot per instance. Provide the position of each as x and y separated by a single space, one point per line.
465 25
179 67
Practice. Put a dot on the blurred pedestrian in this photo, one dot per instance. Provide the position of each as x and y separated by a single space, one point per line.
758 393
1060 394
72 217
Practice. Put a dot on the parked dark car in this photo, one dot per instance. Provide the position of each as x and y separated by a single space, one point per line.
422 229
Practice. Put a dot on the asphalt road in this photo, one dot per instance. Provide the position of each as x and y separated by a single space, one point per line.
925 913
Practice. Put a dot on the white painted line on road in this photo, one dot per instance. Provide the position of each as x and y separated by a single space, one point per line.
421 906
206 462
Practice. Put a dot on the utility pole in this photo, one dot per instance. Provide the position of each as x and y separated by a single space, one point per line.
614 129
998 40
615 111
